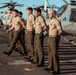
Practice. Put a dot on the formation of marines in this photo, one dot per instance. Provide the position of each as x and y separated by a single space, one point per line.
34 28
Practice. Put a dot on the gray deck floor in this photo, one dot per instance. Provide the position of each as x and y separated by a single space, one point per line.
15 64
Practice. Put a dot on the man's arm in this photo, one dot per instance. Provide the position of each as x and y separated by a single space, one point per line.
10 22
43 24
10 29
44 27
22 23
59 32
58 24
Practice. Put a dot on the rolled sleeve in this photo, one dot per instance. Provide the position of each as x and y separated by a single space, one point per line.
58 25
42 23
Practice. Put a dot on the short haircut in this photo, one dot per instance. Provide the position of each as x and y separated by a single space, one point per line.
20 12
11 9
38 10
15 10
30 8
54 11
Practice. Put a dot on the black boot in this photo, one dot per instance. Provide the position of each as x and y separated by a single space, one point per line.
40 65
7 53
56 72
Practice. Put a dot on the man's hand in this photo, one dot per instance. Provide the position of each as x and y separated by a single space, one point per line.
33 26
44 28
59 32
24 27
7 31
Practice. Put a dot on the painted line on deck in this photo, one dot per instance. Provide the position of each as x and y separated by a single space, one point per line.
18 62
0 63
66 61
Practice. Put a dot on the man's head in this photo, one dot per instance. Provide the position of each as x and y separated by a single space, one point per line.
20 14
15 12
37 12
52 14
29 10
10 11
